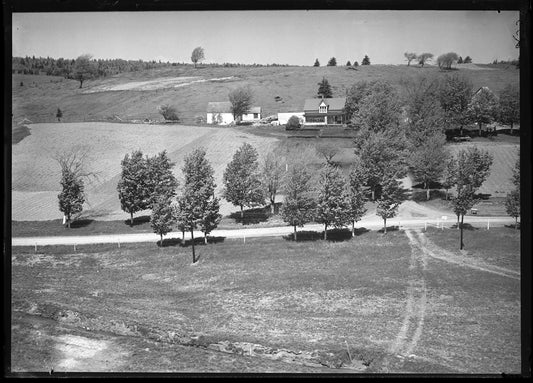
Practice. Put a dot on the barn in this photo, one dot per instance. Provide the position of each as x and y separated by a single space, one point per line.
220 113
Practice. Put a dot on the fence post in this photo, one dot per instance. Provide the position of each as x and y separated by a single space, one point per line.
74 247
244 239
425 226
118 243
35 247
488 224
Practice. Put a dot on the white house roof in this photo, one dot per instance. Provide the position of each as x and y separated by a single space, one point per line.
225 107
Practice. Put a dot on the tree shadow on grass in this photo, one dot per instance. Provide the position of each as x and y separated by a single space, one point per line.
79 223
173 242
252 216
483 196
513 226
334 235
389 229
466 226
138 220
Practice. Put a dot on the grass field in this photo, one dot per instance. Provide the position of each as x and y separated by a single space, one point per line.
36 175
384 300
137 95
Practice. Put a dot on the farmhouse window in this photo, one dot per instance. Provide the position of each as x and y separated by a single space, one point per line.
256 115
323 109
315 119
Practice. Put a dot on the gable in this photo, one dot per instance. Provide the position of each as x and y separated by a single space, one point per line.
333 104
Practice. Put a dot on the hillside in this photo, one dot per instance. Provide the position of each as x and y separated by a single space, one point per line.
136 95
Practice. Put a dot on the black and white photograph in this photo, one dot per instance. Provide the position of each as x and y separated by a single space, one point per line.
321 192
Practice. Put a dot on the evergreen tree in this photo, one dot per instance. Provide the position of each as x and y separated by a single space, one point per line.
324 89
299 203
366 60
59 114
355 64
332 62
332 207
355 194
460 60
242 179
348 63
72 195
162 217
132 186
317 63
467 60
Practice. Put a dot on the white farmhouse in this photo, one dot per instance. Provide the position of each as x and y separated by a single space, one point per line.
220 113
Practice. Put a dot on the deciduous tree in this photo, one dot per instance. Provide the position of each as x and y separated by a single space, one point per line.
241 101
327 150
424 58
449 174
299 204
409 56
510 105
332 206
160 180
462 202
354 96
366 60
168 112
84 68
132 186
446 60
391 197
355 197
242 179
197 55
197 205
162 217
72 194
483 107
512 205
271 173
455 93
428 160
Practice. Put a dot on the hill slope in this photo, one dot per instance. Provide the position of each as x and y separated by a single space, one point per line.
137 95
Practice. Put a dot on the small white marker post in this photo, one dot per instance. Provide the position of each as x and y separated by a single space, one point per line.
425 226
74 247
35 247
118 239
488 224
244 239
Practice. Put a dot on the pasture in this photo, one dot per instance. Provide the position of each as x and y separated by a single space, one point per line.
395 303
137 95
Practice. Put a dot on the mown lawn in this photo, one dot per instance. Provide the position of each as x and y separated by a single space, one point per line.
304 296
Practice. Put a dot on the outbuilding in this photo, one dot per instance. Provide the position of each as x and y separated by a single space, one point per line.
220 113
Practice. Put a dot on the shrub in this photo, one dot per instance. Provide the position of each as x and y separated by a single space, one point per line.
293 123
169 113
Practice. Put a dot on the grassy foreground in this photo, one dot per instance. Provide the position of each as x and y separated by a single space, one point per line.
315 297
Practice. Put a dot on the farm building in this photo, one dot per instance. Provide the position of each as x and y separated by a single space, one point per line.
220 113
325 111
284 117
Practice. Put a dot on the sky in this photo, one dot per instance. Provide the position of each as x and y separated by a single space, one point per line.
266 37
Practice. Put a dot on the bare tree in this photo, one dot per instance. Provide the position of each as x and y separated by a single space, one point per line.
424 57
328 151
